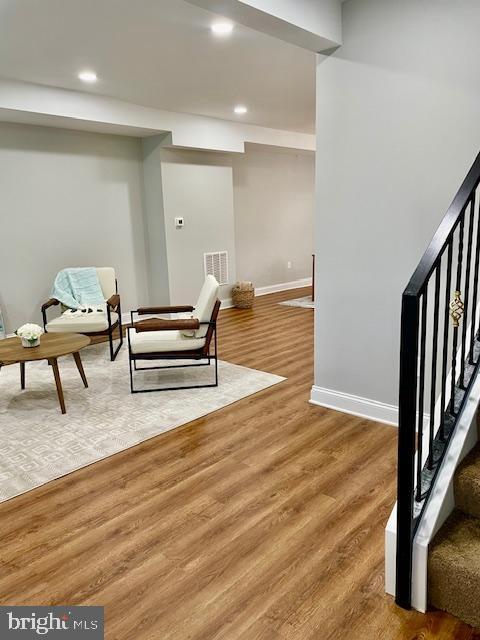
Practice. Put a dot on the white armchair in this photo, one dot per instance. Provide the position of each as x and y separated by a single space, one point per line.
187 338
92 324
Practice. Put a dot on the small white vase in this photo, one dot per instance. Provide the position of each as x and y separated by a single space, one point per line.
30 343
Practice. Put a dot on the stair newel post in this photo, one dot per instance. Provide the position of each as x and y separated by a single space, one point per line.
406 447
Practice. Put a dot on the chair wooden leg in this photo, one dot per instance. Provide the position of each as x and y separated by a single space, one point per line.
78 362
22 375
58 382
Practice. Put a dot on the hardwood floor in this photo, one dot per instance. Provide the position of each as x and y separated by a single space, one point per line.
262 521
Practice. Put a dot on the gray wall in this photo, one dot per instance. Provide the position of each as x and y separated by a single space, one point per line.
72 198
397 129
203 196
67 199
273 197
274 205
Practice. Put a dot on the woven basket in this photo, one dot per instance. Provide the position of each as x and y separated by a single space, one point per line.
243 294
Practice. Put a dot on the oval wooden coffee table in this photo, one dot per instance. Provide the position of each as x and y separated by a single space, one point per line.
52 346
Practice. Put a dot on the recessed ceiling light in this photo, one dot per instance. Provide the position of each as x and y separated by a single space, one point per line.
240 109
88 76
222 28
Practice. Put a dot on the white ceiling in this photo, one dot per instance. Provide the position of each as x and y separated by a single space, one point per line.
158 53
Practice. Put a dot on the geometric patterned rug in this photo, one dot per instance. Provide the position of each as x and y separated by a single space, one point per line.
39 444
305 302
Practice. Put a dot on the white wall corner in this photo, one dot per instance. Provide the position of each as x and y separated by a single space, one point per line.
391 552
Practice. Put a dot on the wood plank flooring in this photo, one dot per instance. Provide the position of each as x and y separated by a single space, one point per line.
262 521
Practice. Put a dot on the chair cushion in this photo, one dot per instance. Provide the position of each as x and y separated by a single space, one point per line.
204 307
87 323
162 341
106 278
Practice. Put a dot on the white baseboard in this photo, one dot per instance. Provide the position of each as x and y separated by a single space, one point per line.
284 286
354 405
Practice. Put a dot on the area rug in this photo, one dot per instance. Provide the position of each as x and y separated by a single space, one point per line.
39 444
305 303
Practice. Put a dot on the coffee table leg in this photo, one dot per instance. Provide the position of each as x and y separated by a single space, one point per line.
22 375
78 362
58 382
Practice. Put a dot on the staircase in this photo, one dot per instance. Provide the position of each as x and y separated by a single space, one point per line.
439 367
454 556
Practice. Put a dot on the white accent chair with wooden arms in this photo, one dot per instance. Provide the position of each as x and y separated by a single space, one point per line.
93 324
189 337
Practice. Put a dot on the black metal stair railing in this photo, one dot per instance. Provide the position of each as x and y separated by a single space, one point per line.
439 359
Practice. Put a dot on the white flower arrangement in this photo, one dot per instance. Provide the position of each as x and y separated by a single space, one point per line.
30 334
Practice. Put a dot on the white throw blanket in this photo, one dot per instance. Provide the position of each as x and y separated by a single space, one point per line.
78 288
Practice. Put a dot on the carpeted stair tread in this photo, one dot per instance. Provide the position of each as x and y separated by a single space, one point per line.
467 484
454 568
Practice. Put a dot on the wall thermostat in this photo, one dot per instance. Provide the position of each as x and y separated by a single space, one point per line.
179 222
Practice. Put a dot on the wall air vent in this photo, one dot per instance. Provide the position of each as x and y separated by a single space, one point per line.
216 264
